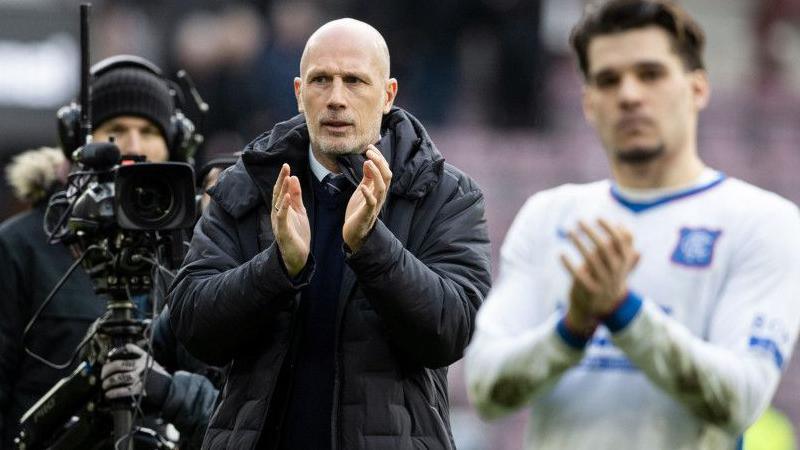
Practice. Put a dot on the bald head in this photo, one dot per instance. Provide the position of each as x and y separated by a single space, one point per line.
349 32
344 88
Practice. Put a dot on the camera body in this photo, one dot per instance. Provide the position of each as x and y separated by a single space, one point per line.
139 196
131 213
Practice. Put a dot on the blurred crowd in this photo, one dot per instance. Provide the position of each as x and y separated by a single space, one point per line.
243 55
500 64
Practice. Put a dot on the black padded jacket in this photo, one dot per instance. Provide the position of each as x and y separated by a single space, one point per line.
406 307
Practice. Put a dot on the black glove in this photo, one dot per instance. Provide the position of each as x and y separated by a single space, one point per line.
123 376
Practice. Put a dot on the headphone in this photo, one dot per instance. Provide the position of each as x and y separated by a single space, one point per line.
182 136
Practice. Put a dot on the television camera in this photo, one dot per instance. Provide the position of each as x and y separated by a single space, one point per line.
128 219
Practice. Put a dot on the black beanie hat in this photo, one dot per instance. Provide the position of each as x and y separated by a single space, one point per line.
132 91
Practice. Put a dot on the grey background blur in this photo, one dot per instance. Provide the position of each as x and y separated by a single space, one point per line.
492 80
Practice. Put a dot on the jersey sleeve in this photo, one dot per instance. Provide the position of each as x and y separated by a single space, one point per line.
520 347
727 377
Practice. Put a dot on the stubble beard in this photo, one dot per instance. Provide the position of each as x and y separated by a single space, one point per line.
639 155
339 148
354 144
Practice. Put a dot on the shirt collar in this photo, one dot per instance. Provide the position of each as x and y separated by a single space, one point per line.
319 170
707 176
638 200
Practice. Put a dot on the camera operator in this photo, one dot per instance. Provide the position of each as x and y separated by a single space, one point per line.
132 103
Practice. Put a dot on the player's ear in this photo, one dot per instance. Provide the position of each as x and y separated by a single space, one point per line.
701 88
391 94
298 93
588 103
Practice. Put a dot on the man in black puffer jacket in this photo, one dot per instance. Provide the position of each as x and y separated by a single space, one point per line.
337 277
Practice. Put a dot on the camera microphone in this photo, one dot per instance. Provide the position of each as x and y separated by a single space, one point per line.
98 155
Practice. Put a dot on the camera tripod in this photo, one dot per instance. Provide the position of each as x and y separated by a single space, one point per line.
74 414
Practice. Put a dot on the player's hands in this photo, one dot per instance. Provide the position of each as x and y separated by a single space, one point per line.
600 283
290 221
125 377
366 202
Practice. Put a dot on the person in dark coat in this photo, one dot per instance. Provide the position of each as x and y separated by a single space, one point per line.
29 268
338 268
133 105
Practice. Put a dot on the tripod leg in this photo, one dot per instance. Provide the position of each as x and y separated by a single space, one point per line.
123 424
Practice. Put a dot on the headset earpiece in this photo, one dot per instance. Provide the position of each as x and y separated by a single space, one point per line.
185 139
69 129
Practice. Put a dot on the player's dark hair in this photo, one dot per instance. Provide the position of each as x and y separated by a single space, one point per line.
615 16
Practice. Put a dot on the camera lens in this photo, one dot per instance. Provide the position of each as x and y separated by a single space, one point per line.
154 196
149 200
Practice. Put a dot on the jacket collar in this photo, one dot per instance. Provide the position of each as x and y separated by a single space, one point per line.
416 163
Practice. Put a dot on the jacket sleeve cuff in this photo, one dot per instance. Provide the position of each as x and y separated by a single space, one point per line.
570 337
270 269
624 314
158 387
377 253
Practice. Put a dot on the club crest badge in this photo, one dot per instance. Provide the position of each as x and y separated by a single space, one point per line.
695 247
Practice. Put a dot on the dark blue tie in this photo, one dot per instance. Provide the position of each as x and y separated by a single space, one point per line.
335 184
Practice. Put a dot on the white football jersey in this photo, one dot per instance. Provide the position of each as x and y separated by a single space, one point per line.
695 352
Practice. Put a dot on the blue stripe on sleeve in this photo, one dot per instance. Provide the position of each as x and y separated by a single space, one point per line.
624 314
570 338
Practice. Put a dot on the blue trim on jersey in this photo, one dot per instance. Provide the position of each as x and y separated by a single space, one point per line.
740 443
638 207
570 338
770 346
624 313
